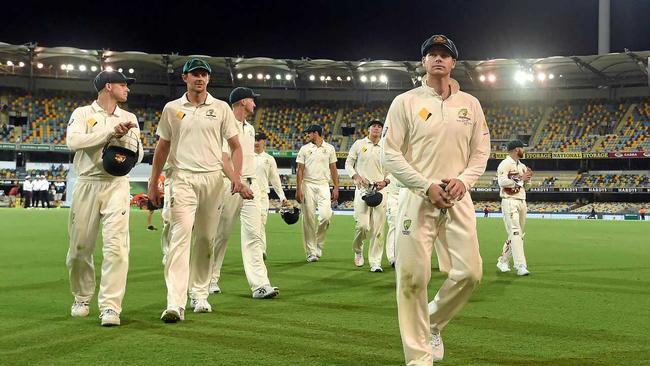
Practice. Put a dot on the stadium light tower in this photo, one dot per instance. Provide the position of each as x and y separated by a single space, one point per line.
492 78
240 75
482 78
93 68
39 65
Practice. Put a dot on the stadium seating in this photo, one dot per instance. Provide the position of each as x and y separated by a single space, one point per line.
284 122
612 180
576 126
596 125
509 120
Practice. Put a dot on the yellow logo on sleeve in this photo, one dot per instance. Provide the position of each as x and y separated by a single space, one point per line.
91 122
180 115
424 114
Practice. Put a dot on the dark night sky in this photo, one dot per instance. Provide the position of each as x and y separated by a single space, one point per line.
340 30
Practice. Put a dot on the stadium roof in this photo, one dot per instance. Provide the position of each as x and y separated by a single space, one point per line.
609 70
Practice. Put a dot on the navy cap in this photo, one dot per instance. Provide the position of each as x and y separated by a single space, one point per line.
513 144
374 122
106 77
442 42
240 93
196 63
260 136
315 128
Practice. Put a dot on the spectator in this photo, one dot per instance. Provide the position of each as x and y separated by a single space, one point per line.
13 192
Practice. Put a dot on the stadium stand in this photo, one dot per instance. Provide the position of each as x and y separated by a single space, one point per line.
509 120
570 126
578 126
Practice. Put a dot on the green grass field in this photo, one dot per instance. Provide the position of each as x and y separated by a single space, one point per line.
587 302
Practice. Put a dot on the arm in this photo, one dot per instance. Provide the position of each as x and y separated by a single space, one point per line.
479 150
136 130
237 159
228 170
159 158
274 179
350 164
77 136
300 172
394 146
335 179
505 180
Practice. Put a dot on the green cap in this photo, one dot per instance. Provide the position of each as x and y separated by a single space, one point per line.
513 144
195 63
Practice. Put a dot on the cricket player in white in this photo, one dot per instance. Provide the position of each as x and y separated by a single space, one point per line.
247 207
514 178
434 134
364 165
266 172
99 199
191 131
316 166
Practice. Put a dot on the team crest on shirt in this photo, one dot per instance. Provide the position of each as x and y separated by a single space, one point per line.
464 117
406 225
180 115
210 113
364 149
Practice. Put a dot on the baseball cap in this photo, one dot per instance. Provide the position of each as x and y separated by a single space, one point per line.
240 93
374 122
315 128
195 63
442 42
513 144
106 77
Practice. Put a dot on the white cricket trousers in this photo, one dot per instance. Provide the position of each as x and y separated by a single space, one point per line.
369 220
420 223
248 212
164 213
444 263
315 196
98 201
194 208
514 218
392 198
264 213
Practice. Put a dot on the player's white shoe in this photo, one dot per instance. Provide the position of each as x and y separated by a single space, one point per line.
358 259
173 315
376 269
312 258
266 292
214 288
201 306
522 270
503 265
110 318
79 308
437 348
